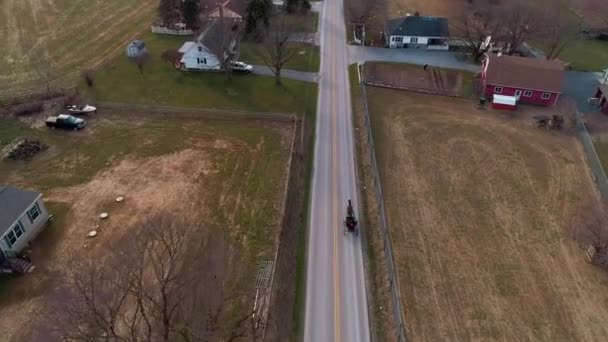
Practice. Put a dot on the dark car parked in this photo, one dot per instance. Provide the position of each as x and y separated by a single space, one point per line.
65 121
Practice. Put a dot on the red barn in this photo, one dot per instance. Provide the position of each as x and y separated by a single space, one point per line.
529 80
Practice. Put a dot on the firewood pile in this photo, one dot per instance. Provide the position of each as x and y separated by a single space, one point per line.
26 149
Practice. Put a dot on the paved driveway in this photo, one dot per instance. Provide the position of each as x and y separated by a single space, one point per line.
287 73
443 59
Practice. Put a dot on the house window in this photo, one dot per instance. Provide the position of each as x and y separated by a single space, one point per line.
546 96
527 93
13 235
204 60
497 90
33 213
414 40
392 39
399 39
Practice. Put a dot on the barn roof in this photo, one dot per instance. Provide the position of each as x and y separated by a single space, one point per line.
526 73
418 26
13 203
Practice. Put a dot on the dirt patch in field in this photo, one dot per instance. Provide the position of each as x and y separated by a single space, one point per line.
479 205
425 79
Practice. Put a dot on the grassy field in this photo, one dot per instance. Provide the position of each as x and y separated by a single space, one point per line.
61 38
160 83
586 55
308 59
232 173
479 204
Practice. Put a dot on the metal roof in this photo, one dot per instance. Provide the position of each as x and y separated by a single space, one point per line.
417 26
13 203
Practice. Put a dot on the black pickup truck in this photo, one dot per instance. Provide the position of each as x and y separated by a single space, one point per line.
65 121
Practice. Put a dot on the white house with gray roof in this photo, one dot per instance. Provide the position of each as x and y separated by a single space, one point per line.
22 217
416 31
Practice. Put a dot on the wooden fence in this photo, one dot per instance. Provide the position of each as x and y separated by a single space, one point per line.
173 32
597 258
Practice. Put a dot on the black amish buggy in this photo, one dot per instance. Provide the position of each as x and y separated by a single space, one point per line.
350 223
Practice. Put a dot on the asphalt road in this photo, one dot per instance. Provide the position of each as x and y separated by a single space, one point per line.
336 299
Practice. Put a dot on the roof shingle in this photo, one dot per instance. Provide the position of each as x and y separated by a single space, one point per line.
526 73
418 26
13 203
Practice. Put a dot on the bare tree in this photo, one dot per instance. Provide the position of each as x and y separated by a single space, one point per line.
137 293
590 226
360 13
520 21
475 26
557 27
276 49
221 38
164 281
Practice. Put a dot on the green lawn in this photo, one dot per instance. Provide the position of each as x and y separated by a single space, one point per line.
586 55
160 83
308 58
305 23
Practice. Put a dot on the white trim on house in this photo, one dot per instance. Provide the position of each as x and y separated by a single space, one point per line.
524 88
546 95
498 90
528 93
31 228
23 213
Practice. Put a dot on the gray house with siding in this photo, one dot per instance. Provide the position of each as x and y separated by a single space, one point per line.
432 33
22 217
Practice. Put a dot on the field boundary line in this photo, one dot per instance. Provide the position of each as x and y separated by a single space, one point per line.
188 112
388 248
413 89
282 222
597 170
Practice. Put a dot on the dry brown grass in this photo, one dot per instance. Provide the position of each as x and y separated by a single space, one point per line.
229 177
478 205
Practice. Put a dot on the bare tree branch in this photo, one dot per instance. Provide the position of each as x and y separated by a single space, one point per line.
277 50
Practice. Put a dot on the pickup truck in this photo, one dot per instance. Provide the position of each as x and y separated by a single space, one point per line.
66 122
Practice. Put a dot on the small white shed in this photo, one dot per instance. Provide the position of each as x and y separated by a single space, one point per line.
136 48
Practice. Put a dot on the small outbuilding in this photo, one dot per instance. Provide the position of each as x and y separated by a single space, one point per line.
417 31
601 96
136 48
22 217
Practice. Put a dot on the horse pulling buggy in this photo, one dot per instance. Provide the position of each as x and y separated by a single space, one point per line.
350 223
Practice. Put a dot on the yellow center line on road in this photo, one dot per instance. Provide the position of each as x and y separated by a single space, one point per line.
335 218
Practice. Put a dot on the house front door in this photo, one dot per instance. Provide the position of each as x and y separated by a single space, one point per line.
517 94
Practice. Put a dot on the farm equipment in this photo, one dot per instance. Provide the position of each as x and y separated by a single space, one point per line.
350 223
552 122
